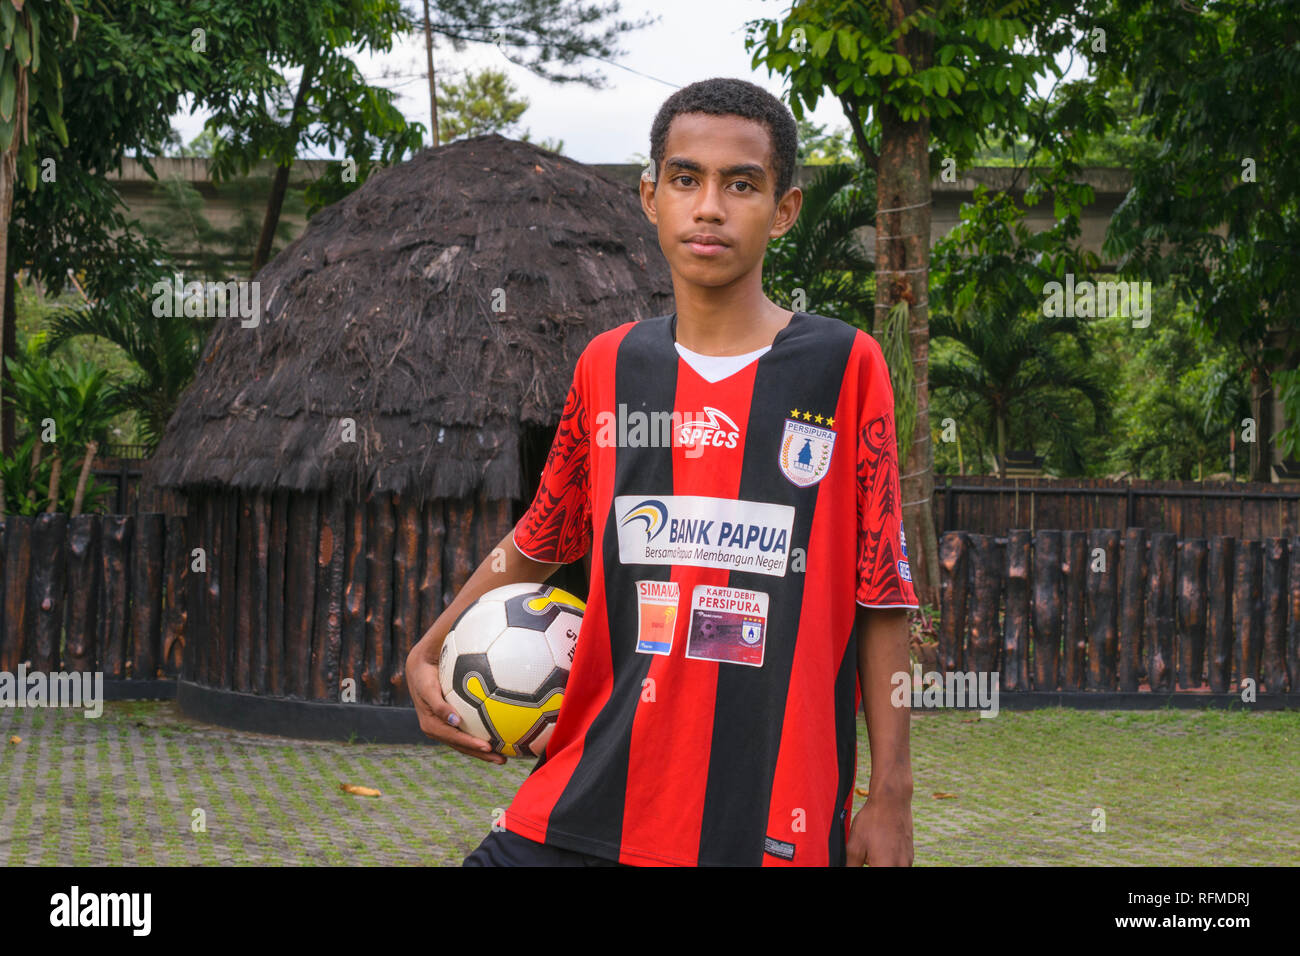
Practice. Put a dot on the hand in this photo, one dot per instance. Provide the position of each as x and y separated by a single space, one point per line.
881 834
437 717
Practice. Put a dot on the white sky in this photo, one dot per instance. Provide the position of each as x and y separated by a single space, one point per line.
692 40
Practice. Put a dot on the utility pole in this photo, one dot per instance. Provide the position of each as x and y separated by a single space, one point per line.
433 93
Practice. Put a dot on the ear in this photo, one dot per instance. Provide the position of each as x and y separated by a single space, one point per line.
787 212
647 190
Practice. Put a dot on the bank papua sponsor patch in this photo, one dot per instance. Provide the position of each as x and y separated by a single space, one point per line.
730 533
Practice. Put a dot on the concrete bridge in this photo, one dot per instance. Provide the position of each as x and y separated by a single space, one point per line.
143 195
224 207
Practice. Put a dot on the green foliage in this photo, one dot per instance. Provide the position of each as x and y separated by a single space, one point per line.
895 344
31 33
1017 379
164 351
545 37
987 58
1216 209
124 77
822 254
991 257
1181 394
70 404
820 148
482 102
260 112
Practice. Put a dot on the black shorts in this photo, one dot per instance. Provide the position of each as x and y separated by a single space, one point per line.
503 848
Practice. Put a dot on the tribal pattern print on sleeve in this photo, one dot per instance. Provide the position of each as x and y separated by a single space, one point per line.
884 576
557 527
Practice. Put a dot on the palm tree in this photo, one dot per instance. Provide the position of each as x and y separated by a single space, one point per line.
164 350
822 255
65 409
1022 377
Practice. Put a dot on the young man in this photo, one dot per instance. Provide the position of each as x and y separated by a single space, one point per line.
710 715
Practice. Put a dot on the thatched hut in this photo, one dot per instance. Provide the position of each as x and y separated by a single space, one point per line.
349 460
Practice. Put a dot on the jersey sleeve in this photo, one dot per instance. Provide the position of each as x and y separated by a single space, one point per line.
557 526
884 576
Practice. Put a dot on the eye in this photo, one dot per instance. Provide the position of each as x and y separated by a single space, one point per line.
680 177
749 187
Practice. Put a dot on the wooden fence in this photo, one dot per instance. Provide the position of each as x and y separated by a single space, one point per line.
93 593
279 594
298 592
1189 509
1101 611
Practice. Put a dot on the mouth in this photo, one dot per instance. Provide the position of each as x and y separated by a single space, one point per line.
703 245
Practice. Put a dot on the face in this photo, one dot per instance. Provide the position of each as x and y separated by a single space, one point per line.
715 201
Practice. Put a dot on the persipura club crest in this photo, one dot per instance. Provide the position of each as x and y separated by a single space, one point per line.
806 444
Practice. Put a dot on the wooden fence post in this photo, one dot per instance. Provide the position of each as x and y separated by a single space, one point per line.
1247 615
114 607
1273 660
46 590
1074 573
175 619
1218 587
84 558
1191 612
18 569
1160 612
954 586
1047 609
1132 600
987 574
327 631
146 595
380 536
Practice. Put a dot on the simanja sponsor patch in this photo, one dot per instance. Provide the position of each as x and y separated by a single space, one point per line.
656 616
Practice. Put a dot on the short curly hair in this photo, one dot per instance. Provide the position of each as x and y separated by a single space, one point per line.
723 96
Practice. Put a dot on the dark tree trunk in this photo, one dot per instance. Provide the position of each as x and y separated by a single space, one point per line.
903 274
9 335
280 181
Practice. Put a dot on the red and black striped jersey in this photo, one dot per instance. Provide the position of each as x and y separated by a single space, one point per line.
710 713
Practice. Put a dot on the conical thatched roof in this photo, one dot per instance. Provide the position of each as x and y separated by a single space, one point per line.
382 312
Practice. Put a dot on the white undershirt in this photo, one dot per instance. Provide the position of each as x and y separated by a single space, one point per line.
714 368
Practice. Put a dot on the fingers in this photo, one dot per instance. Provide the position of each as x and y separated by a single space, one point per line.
439 729
487 757
438 719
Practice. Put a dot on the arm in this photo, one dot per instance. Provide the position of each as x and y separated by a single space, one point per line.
437 719
882 829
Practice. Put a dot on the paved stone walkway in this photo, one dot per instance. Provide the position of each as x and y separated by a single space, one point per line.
1175 787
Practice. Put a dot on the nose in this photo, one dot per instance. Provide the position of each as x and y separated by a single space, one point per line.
708 203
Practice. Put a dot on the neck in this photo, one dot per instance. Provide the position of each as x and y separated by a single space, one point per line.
727 320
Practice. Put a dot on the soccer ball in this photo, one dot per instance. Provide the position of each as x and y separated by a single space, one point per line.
505 662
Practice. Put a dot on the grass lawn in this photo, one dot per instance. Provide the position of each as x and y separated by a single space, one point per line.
1176 787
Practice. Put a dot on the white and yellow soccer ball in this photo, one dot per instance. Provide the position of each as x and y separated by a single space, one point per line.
505 662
